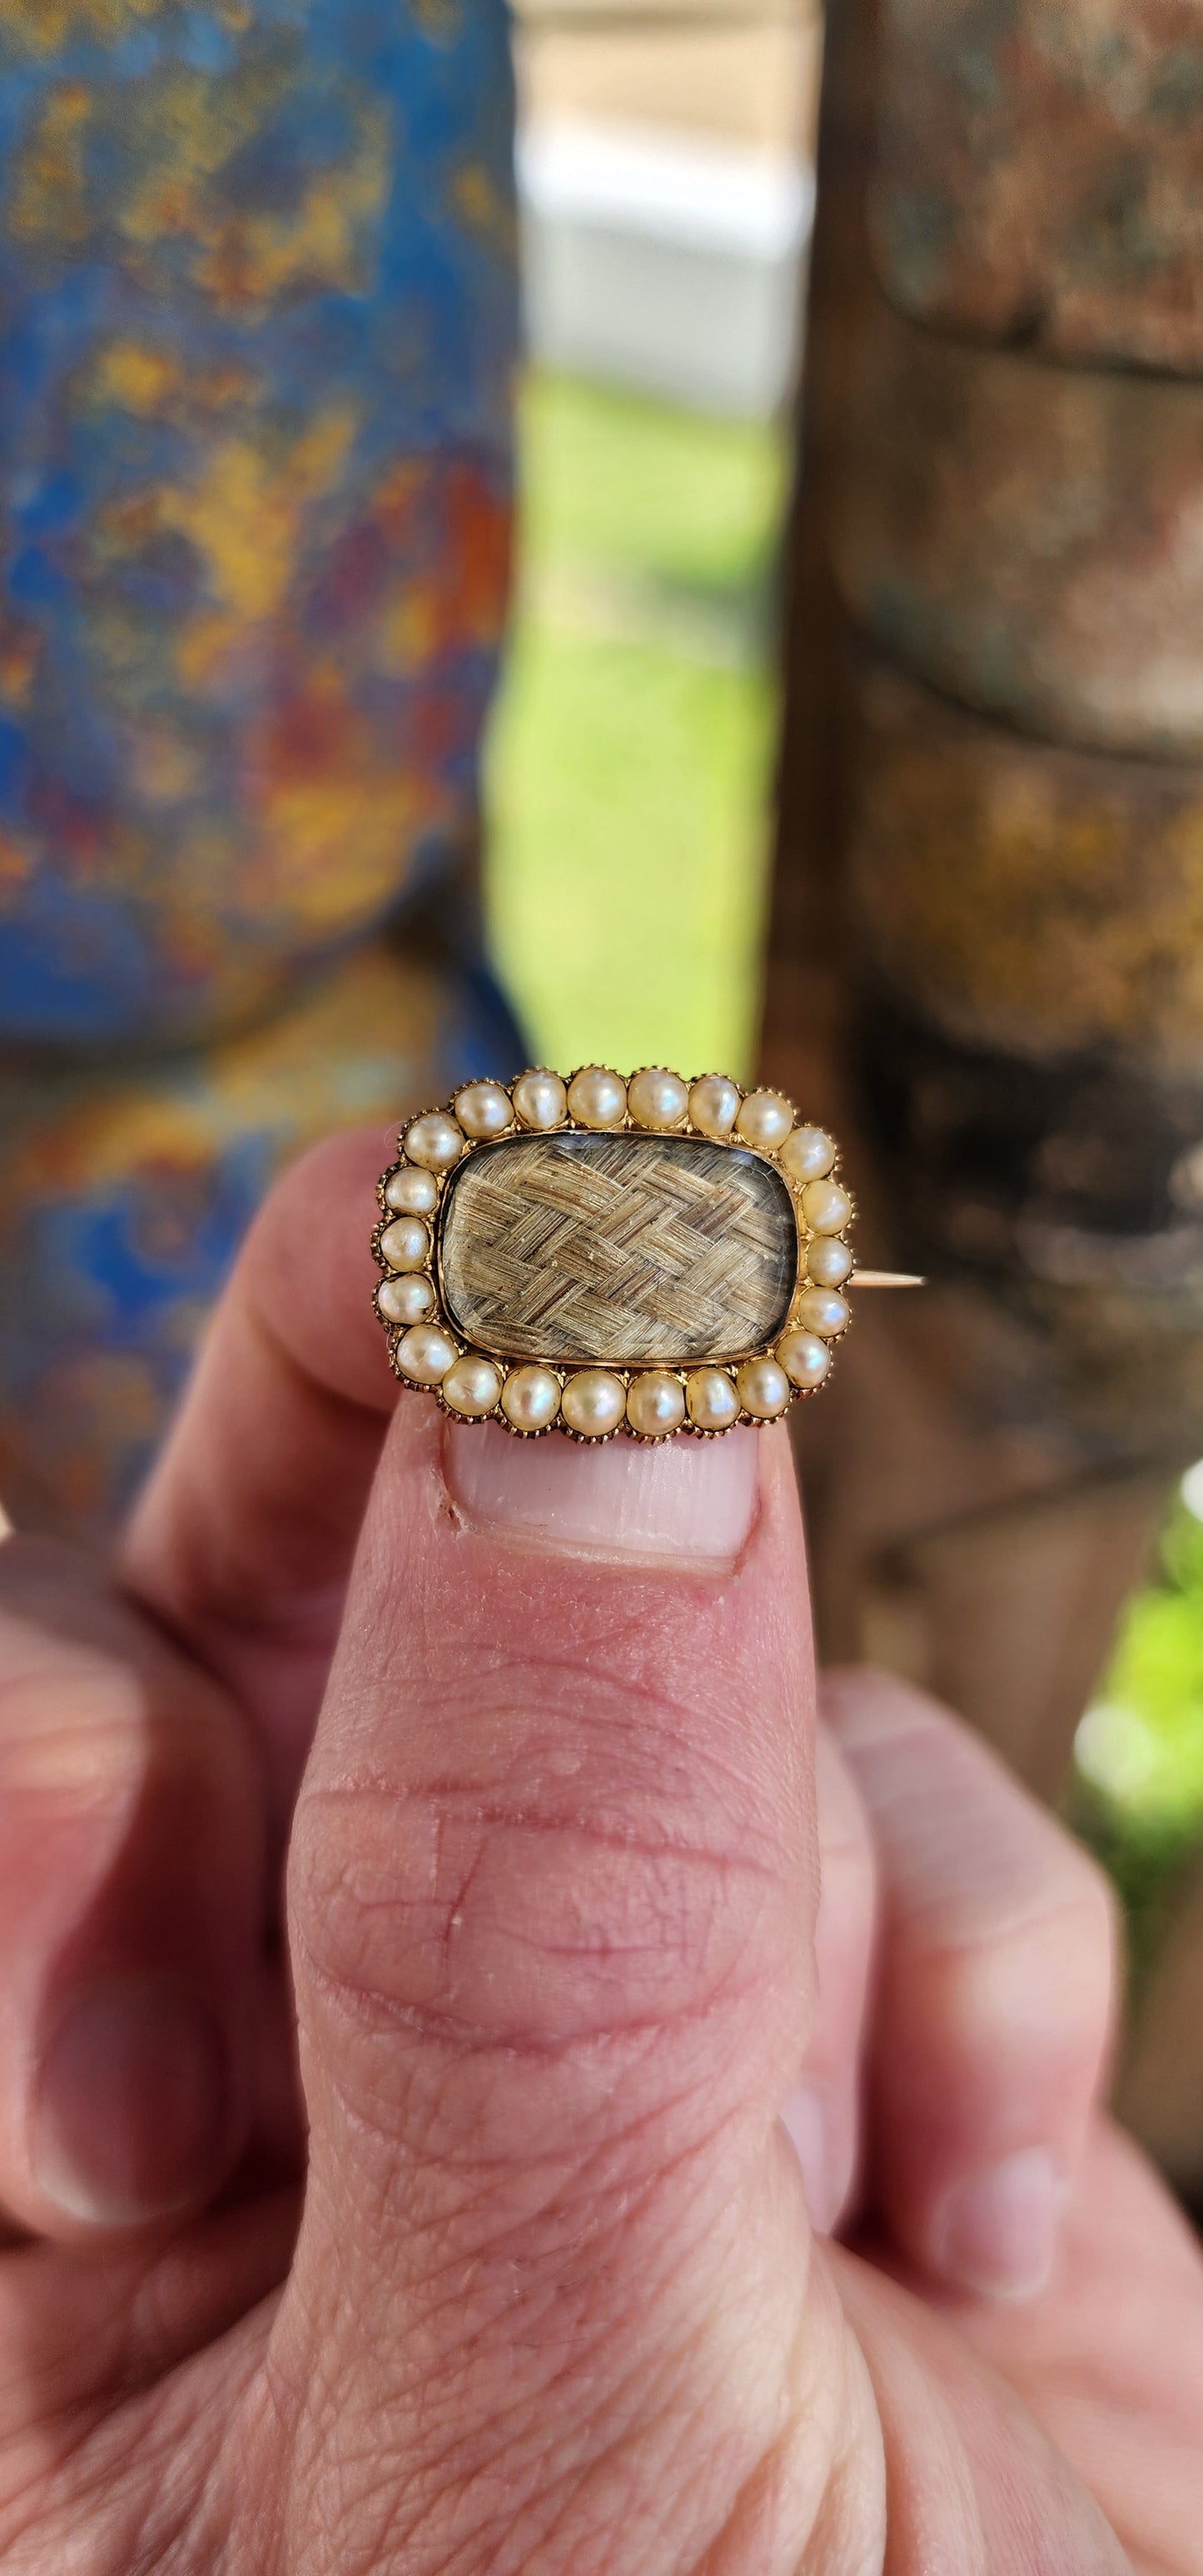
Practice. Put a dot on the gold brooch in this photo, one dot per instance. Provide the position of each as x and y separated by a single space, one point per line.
598 1255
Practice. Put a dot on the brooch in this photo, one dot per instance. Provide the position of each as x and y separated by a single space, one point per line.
593 1255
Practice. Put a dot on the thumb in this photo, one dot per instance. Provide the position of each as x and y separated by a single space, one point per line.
552 1897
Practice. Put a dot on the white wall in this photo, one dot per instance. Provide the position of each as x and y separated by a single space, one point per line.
669 265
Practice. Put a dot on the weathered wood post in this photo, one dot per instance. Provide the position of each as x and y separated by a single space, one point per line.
989 906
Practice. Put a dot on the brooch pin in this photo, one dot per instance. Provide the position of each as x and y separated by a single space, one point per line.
594 1256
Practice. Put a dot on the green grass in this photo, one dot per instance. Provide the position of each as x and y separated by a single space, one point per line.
630 762
1138 1791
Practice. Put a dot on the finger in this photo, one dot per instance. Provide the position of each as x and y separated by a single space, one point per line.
130 1909
244 1537
822 2114
995 1992
1113 2364
974 2485
552 1893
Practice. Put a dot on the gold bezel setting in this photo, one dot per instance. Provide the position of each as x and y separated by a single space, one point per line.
469 1382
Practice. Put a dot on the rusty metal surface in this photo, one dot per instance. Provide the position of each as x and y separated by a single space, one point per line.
1041 173
1063 1195
1030 537
1023 896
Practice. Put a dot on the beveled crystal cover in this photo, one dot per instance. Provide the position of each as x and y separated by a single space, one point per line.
626 1249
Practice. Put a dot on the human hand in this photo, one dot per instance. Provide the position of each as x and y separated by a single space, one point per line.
561 1948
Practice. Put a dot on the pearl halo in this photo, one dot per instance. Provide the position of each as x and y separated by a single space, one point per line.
590 1401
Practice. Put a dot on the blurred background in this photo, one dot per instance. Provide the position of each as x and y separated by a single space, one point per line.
636 727
666 178
665 172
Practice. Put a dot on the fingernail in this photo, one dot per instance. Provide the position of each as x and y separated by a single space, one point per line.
686 1500
997 2233
130 2120
807 2119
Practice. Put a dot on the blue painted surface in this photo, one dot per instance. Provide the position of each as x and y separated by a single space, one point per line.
258 325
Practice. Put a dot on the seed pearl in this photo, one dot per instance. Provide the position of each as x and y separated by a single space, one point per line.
405 1244
828 1261
765 1120
435 1141
530 1399
597 1098
656 1404
472 1387
763 1389
712 1400
808 1154
714 1105
484 1109
804 1358
593 1403
657 1099
540 1100
404 1301
412 1192
826 1207
819 1310
425 1355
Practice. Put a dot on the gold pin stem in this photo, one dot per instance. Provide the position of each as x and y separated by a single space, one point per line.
886 1279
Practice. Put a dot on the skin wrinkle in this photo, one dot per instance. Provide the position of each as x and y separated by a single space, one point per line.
898 1798
678 2413
571 1822
598 2179
442 1709
848 2536
424 2021
522 2312
1036 1920
615 1629
970 1897
620 2137
543 1760
515 2463
116 1699
672 2414
617 2214
87 2455
641 2411
167 2516
597 1711
980 2012
812 2409
103 1762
